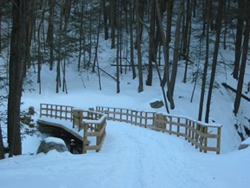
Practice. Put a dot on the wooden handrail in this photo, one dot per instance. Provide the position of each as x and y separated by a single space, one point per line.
198 133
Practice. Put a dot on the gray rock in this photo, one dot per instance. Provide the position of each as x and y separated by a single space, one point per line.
51 144
156 104
243 146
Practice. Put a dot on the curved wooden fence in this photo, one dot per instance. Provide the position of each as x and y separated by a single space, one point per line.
203 136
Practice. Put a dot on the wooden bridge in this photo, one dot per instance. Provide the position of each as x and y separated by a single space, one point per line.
203 136
92 124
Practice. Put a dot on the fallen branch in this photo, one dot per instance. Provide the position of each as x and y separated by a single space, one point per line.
234 90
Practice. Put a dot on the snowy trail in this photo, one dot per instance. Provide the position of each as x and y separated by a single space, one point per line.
151 157
131 156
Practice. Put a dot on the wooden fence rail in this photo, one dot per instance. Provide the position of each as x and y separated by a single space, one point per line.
92 123
203 136
56 111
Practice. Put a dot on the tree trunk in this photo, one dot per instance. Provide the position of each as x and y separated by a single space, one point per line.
105 19
58 70
131 39
50 33
187 35
138 39
170 92
165 46
17 55
151 44
203 86
241 7
113 22
1 144
81 38
0 31
243 60
215 56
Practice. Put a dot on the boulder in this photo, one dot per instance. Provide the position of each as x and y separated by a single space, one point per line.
51 143
244 144
156 104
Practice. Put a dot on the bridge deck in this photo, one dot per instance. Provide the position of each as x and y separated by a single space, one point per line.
57 125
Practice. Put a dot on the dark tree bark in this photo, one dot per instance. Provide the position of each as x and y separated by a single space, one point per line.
1 144
151 44
113 22
138 39
105 19
243 60
241 7
81 38
50 33
170 92
131 38
167 39
0 31
58 69
29 28
215 56
17 56
186 37
204 77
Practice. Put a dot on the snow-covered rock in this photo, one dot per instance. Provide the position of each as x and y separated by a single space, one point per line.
244 144
52 143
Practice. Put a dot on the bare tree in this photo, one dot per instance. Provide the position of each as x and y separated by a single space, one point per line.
50 33
131 39
1 144
215 56
240 19
204 77
171 87
17 55
138 39
151 44
243 59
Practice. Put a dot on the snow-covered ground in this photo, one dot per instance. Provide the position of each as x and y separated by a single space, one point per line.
132 156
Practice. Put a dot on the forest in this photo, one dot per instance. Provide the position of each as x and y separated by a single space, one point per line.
146 34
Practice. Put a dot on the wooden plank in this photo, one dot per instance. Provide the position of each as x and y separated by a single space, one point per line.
39 121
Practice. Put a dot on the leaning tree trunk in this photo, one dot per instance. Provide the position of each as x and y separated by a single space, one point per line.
17 55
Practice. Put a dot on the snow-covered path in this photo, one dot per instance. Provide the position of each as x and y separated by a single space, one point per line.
133 157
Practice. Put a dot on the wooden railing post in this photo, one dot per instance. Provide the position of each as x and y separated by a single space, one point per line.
218 140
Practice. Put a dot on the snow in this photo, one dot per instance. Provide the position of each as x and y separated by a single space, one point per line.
131 156
54 140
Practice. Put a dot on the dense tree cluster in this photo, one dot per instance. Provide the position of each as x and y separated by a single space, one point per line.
37 32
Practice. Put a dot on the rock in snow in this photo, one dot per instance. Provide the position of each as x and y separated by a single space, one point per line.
51 143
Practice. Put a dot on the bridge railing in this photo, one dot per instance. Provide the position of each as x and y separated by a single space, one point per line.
92 123
56 111
204 136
